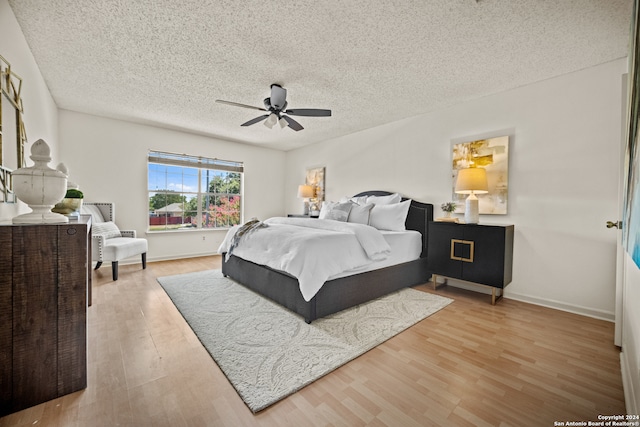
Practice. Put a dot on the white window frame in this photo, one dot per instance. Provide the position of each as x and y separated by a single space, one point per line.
201 164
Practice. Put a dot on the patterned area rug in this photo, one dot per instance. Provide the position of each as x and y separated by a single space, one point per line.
266 351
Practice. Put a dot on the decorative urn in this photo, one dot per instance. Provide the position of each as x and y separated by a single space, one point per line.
40 187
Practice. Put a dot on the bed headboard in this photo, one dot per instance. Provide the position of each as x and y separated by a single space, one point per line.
419 216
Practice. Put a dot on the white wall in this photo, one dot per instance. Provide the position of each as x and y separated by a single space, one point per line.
563 177
108 159
40 112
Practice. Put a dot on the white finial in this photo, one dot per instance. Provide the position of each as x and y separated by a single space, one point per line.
40 152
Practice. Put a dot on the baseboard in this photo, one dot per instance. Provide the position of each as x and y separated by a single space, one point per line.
182 256
558 305
563 306
630 400
136 259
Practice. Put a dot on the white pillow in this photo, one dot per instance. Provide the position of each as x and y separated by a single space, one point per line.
360 200
384 200
94 211
390 217
339 211
360 214
108 229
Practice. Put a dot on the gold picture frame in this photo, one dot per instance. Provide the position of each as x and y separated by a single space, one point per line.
11 128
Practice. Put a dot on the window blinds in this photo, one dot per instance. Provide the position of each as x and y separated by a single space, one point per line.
186 160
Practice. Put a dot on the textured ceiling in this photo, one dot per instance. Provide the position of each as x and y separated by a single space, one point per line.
164 62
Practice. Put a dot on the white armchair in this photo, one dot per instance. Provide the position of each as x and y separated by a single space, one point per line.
108 242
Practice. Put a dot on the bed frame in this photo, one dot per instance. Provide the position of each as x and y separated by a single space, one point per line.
342 293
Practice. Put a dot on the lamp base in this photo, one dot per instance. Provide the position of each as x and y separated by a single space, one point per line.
471 210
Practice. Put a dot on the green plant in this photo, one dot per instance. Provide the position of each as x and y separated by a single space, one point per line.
73 193
448 207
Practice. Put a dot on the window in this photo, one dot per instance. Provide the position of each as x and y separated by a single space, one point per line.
187 192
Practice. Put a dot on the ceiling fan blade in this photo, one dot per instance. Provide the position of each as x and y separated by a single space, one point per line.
309 112
293 124
254 121
278 97
236 104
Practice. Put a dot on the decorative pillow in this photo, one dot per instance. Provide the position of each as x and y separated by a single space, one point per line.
360 213
94 211
325 208
390 217
384 200
108 229
339 212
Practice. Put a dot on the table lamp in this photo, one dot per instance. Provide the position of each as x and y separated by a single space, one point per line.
472 181
306 192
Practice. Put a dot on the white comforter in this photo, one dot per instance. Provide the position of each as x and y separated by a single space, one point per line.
310 250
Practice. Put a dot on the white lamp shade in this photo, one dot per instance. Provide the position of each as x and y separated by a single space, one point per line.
472 181
271 120
305 191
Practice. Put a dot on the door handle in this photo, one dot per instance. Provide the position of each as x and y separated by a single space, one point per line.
462 242
617 224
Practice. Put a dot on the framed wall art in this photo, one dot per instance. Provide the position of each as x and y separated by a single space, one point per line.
315 178
631 207
492 154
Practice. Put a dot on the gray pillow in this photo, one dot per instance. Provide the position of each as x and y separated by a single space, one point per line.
339 212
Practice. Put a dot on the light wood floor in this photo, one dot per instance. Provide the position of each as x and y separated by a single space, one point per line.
471 364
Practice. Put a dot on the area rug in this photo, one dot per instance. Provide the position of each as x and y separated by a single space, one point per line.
268 352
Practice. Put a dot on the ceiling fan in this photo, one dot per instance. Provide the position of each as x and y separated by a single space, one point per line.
275 106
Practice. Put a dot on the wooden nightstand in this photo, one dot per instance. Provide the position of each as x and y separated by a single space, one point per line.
481 254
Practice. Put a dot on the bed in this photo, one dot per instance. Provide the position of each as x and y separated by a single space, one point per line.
343 292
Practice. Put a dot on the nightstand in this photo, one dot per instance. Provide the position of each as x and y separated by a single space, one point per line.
480 254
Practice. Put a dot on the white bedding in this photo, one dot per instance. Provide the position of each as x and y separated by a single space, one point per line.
316 250
405 246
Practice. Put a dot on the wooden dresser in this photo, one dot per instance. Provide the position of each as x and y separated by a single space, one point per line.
45 286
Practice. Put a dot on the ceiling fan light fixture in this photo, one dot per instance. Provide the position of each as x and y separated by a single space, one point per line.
276 112
283 123
271 121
